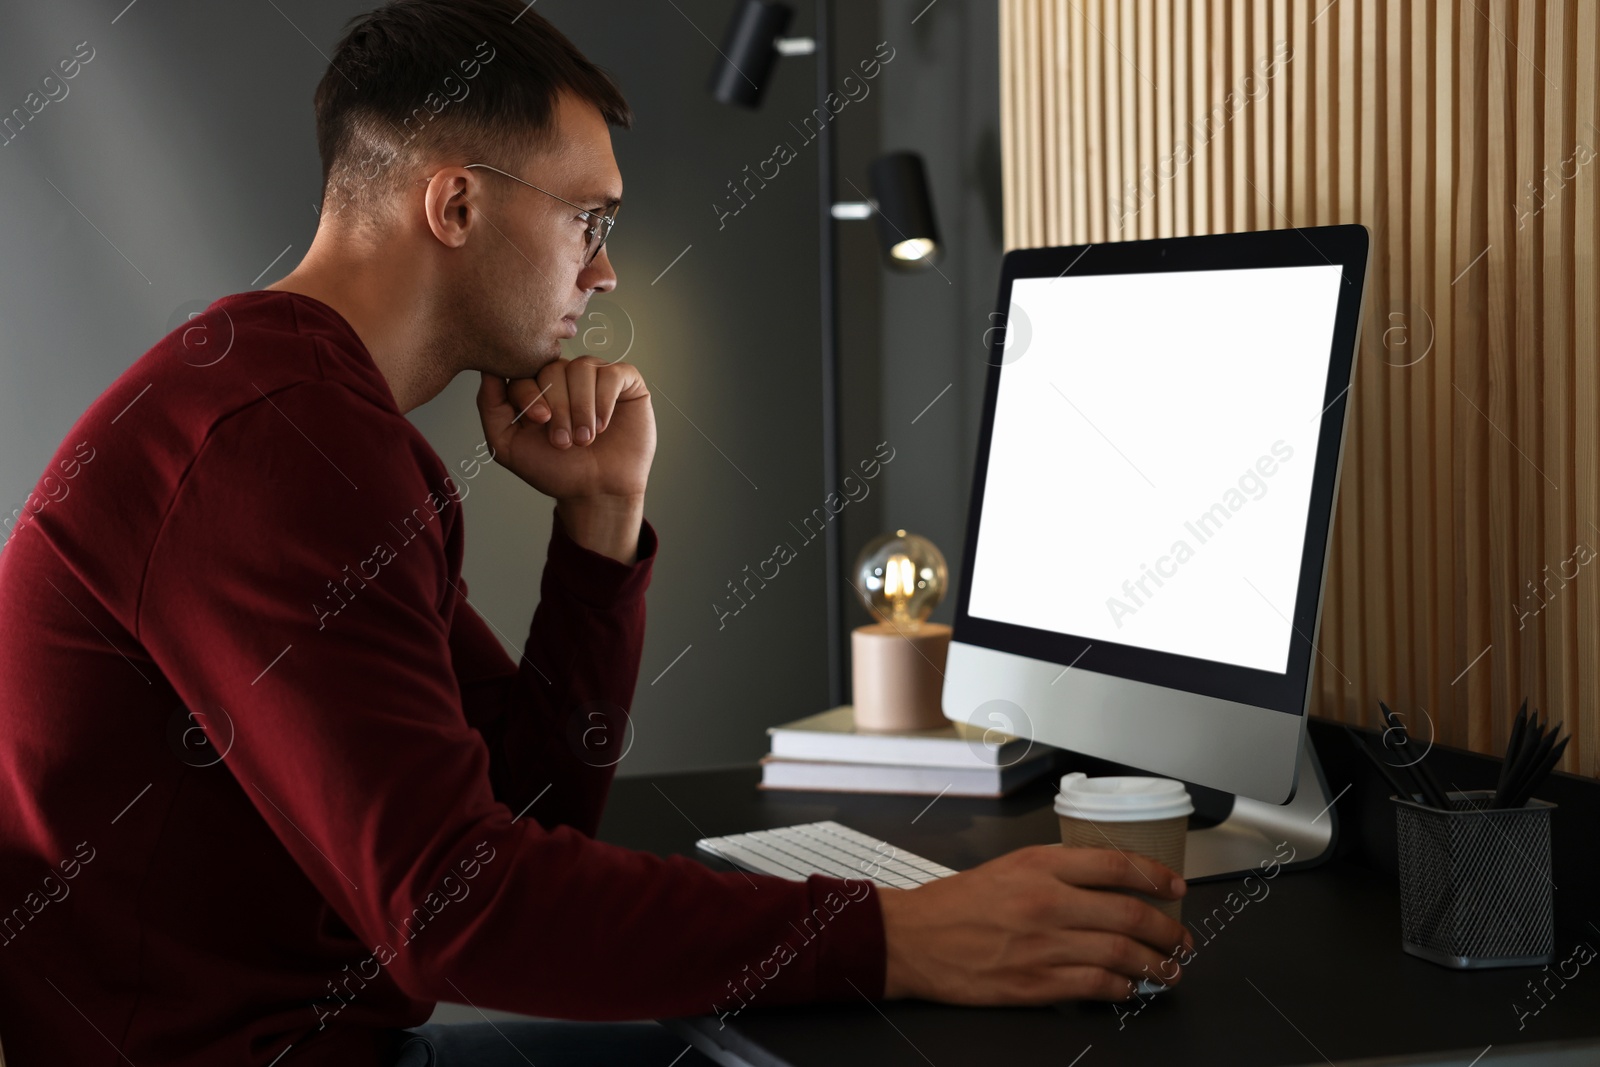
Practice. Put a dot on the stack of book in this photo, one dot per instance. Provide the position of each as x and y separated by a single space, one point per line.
826 752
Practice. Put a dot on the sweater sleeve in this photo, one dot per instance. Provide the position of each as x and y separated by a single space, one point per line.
556 722
299 584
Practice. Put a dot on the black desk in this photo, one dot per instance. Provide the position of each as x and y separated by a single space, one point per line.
1310 973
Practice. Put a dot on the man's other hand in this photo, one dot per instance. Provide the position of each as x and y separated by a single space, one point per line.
1030 928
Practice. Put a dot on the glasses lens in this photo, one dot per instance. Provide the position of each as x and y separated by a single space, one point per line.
600 231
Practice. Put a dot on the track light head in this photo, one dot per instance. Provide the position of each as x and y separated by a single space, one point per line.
907 228
749 51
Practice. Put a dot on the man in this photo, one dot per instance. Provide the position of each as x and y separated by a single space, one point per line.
271 787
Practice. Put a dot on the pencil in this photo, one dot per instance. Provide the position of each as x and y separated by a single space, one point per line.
1532 739
1431 791
1541 772
1517 726
1525 741
1383 767
1528 779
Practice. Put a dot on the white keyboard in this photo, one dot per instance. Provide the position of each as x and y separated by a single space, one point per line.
795 852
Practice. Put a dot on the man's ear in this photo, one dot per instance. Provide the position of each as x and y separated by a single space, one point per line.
450 204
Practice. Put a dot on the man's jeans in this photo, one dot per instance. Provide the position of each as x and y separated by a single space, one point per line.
547 1043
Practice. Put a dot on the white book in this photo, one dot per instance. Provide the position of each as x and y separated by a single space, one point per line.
900 778
832 735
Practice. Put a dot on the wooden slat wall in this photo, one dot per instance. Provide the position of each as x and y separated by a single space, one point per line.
1464 136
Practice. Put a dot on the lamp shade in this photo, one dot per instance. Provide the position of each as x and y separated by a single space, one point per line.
906 224
749 52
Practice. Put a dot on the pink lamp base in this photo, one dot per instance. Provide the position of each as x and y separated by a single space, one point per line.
898 676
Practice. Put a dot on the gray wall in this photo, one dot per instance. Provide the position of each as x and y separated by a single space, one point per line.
182 166
941 98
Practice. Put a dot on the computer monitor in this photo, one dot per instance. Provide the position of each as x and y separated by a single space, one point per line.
1150 513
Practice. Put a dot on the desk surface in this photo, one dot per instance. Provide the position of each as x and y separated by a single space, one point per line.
1309 972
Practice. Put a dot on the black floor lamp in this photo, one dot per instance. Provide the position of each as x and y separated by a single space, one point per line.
907 231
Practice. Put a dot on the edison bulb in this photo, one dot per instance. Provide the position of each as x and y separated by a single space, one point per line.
901 578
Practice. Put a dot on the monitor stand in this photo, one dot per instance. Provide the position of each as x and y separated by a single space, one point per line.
1255 835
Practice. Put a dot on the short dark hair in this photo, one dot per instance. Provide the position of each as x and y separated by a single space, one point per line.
476 78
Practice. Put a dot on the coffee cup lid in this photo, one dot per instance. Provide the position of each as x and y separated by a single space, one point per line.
1126 798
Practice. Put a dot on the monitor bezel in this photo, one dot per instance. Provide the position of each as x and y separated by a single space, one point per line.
1345 246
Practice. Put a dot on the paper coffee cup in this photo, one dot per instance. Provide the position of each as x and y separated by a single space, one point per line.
1149 816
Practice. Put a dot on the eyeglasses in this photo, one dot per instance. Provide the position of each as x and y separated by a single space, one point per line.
600 222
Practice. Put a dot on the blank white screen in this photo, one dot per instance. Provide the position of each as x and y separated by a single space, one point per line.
1153 446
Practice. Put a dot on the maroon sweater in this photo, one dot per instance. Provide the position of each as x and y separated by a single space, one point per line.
268 780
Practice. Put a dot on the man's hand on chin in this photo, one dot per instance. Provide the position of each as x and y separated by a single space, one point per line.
583 432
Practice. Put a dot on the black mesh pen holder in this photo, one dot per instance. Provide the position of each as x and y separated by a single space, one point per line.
1475 888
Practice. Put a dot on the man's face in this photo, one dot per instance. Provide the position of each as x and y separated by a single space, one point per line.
528 284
